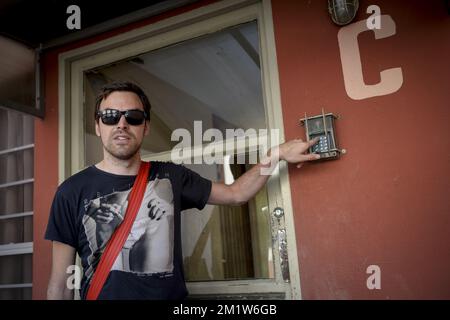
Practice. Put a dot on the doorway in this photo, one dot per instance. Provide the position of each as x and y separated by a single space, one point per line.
218 71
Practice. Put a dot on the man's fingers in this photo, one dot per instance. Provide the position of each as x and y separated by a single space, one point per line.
102 213
158 214
311 157
151 212
155 213
308 157
108 207
102 219
115 208
313 141
150 203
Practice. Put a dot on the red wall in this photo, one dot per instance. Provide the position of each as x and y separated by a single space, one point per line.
385 202
45 176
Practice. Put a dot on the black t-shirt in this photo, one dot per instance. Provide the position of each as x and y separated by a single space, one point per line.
89 206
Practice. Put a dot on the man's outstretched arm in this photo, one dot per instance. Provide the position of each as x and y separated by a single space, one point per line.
247 185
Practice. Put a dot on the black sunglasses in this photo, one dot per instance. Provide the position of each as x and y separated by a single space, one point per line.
134 117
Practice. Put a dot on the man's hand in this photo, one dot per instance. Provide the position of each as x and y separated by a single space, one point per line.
156 211
295 151
108 212
247 185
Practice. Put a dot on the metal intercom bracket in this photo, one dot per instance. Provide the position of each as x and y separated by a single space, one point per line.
322 126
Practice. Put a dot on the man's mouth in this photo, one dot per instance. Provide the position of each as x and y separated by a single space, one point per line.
121 138
121 135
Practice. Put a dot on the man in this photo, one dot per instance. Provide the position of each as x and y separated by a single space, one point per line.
91 204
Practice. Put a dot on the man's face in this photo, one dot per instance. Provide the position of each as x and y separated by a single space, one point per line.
121 140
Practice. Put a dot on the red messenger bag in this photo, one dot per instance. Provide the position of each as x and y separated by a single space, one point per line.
120 235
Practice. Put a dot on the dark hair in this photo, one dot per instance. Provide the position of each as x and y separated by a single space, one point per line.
109 88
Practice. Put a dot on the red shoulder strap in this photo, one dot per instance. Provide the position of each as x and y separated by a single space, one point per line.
120 235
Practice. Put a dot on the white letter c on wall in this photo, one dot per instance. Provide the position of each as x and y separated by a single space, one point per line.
391 79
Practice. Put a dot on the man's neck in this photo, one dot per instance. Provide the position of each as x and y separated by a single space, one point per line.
127 167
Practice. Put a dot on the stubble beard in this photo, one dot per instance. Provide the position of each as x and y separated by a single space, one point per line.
121 153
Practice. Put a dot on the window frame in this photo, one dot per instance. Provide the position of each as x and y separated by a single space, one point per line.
20 248
198 22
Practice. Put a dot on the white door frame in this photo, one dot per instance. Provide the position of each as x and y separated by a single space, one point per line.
204 20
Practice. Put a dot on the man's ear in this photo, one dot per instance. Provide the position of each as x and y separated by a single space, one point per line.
97 128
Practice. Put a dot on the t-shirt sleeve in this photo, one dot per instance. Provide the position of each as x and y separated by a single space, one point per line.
195 190
61 225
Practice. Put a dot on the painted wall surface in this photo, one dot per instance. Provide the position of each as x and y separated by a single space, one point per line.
384 203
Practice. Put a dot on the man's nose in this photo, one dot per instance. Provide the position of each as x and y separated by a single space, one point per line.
122 124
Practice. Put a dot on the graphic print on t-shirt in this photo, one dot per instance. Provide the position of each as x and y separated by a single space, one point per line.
149 247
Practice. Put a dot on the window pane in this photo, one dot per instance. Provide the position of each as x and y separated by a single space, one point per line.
16 199
227 242
16 230
15 269
20 166
17 73
215 79
16 130
16 294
